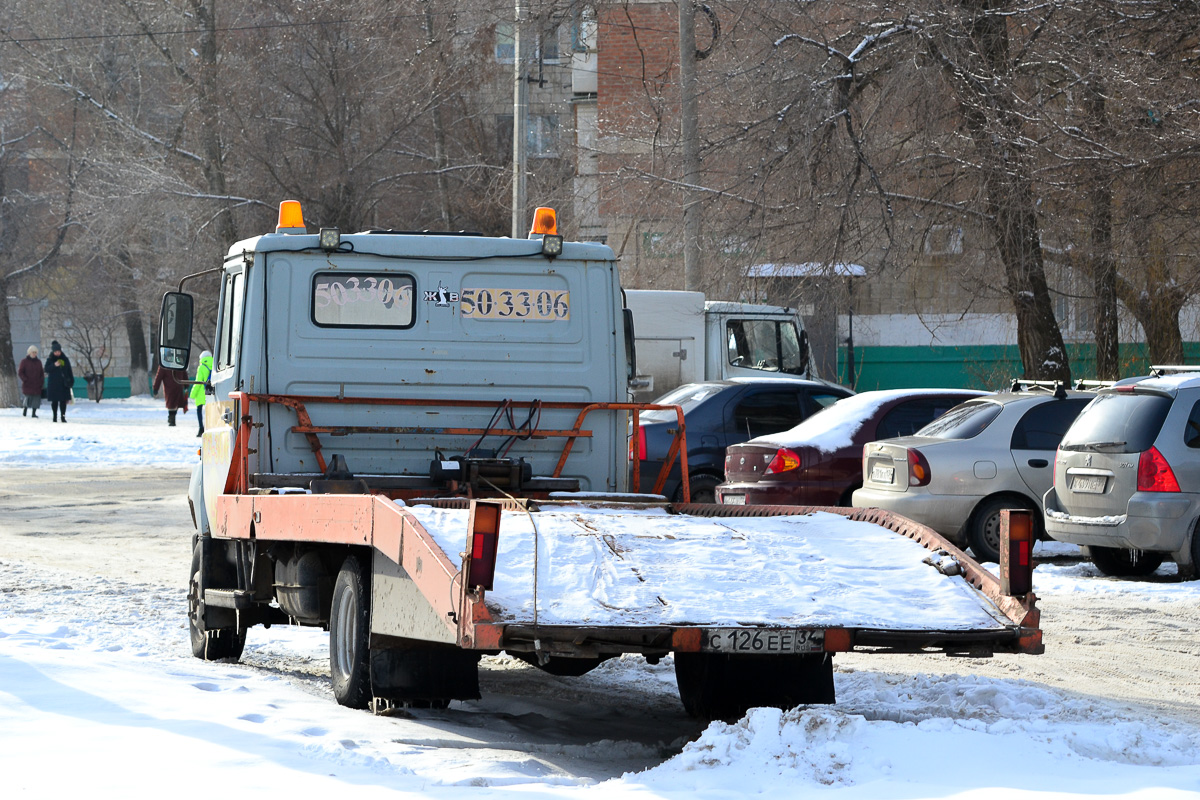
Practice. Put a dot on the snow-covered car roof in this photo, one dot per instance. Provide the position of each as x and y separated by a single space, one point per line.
834 427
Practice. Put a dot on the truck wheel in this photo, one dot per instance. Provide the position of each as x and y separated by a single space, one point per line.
210 645
1117 562
704 489
718 686
984 533
349 636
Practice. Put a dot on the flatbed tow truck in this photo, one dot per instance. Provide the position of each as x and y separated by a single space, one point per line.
478 387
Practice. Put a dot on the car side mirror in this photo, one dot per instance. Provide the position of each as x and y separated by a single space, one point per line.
175 330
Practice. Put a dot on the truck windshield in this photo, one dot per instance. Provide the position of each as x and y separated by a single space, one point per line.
766 344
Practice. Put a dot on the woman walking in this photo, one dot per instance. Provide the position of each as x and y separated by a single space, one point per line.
59 380
174 396
32 379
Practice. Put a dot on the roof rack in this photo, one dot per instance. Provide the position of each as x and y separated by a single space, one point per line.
1084 386
1158 370
1057 388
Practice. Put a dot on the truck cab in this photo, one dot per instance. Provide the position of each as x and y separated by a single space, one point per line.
446 326
683 338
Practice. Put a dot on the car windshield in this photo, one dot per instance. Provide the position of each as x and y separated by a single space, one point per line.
688 396
964 421
1119 422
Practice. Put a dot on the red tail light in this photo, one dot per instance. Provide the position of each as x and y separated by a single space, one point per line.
1155 474
918 468
484 522
785 460
641 445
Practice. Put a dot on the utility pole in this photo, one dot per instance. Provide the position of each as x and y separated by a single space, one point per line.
689 132
520 114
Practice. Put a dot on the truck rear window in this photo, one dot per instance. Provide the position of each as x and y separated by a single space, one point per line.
363 300
1118 423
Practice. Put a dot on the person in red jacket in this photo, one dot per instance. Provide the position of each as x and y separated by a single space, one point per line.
32 377
173 394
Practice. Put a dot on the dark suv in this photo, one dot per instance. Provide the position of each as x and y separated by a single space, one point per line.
1127 476
718 414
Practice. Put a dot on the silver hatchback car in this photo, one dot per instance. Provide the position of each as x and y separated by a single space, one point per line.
960 471
1127 476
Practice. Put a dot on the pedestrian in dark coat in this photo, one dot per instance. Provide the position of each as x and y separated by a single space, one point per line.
33 378
173 394
59 380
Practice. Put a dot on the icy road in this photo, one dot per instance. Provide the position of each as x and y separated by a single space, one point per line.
99 696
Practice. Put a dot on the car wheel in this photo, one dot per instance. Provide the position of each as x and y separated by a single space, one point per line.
704 489
1117 562
1194 573
983 537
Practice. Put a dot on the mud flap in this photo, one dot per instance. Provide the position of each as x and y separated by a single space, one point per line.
434 674
216 573
721 686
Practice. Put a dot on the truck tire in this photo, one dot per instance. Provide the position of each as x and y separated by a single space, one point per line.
211 645
983 535
349 635
719 686
1117 562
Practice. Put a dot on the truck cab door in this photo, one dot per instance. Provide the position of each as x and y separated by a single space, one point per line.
221 413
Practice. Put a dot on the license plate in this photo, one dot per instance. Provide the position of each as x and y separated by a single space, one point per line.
762 640
1088 484
733 500
883 474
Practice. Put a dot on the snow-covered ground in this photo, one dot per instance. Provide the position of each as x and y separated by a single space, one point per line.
99 697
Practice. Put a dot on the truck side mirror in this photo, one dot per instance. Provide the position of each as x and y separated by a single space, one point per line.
630 348
175 330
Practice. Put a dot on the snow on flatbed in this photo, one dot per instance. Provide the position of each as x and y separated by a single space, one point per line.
645 567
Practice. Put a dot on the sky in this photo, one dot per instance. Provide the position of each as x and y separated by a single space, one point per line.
100 697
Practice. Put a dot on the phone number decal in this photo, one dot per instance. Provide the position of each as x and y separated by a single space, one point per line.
526 304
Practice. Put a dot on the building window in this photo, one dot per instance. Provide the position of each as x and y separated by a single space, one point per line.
656 244
544 44
583 31
505 46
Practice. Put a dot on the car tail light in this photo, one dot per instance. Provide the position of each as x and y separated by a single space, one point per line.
641 445
1155 474
918 468
785 460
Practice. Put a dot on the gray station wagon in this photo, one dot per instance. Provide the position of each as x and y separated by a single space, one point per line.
1127 476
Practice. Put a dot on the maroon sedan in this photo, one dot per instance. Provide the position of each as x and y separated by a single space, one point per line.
819 462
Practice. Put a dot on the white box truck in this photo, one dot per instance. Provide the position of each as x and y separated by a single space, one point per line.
681 337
